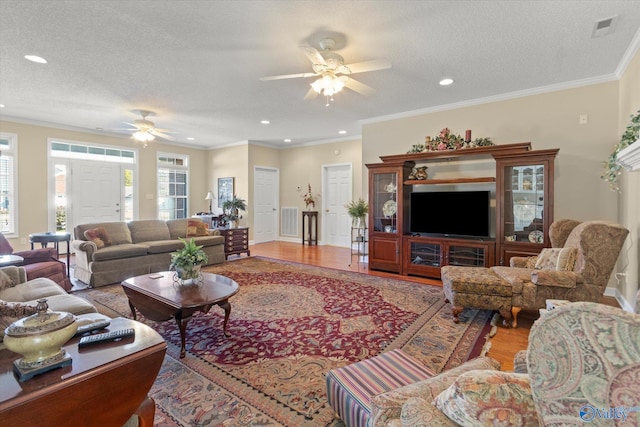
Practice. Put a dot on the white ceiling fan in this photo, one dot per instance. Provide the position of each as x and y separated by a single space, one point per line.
145 130
333 72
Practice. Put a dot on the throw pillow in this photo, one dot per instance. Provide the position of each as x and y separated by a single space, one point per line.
5 281
559 259
12 311
195 227
484 397
98 236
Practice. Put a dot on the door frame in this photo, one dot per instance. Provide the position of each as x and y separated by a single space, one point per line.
51 179
325 169
276 202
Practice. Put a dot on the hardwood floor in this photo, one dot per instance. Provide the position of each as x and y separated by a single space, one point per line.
504 344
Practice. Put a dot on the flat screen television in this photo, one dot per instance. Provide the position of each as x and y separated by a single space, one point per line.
451 213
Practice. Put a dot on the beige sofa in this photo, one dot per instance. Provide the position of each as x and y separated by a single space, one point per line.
136 248
27 293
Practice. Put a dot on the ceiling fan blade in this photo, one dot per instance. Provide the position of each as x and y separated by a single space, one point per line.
311 94
373 65
288 76
313 55
155 132
359 87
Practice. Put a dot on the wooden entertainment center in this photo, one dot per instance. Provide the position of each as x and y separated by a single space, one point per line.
523 188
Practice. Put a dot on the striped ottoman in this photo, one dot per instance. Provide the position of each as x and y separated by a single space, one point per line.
350 388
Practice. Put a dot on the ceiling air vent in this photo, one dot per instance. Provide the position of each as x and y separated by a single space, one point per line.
604 27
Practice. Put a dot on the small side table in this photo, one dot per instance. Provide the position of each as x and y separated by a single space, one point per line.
6 260
310 227
236 241
45 238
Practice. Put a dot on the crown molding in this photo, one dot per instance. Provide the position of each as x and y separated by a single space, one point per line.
502 97
629 157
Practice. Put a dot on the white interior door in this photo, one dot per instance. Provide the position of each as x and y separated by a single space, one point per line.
337 191
95 192
265 201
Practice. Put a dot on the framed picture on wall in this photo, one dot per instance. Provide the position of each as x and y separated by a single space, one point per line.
225 190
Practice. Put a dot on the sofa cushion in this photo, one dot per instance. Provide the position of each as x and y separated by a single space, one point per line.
5 281
12 311
126 250
417 411
162 246
98 236
32 290
559 259
386 407
482 397
196 227
148 229
118 232
69 303
178 227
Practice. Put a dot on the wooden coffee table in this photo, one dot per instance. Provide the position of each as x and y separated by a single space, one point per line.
104 385
158 297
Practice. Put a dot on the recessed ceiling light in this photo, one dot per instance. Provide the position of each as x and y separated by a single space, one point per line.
342 132
1 105
287 140
191 138
265 122
35 58
446 82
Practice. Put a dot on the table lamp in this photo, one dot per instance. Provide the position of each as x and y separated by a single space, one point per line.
209 197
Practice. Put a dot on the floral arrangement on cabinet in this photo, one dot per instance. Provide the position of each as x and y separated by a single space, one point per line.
446 140
309 198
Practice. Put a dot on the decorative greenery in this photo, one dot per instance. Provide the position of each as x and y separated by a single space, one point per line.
309 198
189 256
611 166
231 208
448 141
357 208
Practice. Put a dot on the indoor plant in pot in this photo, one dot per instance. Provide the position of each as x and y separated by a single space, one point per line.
232 208
187 261
357 210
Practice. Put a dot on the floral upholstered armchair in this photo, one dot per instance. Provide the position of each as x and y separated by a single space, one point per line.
576 268
582 365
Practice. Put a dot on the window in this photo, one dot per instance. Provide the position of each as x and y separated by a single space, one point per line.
8 183
173 179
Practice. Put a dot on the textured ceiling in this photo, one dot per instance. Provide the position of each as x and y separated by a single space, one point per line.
197 64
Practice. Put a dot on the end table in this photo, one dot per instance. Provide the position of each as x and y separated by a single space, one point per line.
55 238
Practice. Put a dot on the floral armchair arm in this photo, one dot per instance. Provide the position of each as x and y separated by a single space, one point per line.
523 262
560 279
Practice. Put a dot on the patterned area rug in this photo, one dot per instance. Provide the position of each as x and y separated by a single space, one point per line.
290 324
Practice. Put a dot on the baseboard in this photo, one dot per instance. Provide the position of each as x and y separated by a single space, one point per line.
624 304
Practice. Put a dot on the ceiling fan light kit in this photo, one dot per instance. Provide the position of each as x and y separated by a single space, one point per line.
328 65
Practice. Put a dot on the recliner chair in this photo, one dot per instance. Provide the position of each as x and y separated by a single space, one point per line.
40 262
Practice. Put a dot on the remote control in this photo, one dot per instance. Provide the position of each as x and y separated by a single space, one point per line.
98 324
107 336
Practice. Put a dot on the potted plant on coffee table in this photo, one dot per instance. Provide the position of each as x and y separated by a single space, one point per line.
188 260
232 208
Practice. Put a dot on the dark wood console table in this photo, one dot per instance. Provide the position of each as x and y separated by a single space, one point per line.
310 227
104 385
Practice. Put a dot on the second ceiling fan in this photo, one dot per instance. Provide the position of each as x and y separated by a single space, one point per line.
333 72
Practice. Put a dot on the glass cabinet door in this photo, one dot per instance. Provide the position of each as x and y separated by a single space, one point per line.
385 192
524 204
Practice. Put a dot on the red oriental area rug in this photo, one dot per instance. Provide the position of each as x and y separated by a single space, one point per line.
290 324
